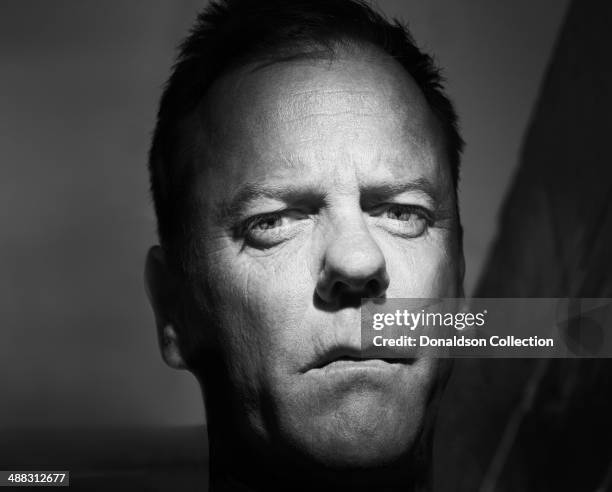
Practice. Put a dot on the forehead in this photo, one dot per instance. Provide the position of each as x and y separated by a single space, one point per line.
353 112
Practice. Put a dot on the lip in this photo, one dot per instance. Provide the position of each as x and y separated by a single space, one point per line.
349 359
350 364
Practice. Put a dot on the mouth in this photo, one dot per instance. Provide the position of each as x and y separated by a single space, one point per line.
352 364
350 359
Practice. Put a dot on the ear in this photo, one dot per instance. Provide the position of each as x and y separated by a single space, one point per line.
161 285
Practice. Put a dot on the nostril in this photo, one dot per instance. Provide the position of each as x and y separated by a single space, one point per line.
336 290
372 288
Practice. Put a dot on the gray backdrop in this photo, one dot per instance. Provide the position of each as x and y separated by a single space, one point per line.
78 92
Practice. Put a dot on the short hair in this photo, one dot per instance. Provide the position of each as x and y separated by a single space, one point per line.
228 33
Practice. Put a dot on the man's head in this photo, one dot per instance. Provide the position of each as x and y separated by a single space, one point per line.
304 158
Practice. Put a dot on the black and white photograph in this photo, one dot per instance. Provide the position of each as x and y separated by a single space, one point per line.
306 245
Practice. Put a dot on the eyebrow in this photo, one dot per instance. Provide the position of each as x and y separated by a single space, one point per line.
382 191
234 207
249 192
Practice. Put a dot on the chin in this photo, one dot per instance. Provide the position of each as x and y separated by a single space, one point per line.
365 431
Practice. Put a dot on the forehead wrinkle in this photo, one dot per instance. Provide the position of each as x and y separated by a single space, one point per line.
331 113
409 159
296 106
326 92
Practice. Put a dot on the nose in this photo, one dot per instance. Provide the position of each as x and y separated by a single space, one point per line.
353 266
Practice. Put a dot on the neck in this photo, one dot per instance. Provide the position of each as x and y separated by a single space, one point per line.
234 468
235 481
228 483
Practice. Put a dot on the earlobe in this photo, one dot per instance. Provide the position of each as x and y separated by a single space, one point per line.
170 348
161 288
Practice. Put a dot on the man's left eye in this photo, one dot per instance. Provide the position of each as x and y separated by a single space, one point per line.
406 220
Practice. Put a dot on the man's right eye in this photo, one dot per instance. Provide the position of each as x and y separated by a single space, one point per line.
266 222
268 230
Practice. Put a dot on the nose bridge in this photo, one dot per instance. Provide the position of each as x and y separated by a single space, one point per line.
353 262
352 247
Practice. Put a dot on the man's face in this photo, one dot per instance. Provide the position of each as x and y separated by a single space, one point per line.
321 182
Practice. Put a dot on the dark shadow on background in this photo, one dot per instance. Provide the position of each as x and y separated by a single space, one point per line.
534 425
114 459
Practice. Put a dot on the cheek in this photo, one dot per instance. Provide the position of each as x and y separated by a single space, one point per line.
422 269
277 291
258 301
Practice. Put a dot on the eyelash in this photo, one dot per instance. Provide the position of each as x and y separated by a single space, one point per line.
246 227
422 212
250 224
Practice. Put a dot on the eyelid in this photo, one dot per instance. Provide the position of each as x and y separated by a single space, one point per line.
247 223
412 207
